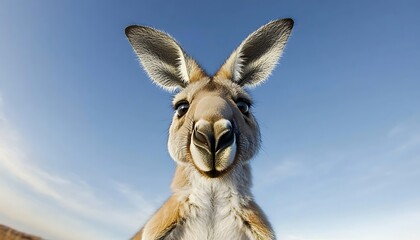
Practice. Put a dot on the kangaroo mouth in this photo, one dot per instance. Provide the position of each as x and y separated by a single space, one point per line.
213 173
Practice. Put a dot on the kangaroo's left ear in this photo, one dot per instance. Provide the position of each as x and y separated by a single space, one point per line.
254 60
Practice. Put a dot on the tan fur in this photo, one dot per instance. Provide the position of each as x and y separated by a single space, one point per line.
254 217
138 235
180 179
163 221
224 73
171 213
194 71
212 137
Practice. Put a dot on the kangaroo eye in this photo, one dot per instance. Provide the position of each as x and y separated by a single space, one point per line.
181 108
243 106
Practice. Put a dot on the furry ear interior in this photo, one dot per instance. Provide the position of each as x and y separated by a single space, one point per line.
255 58
162 58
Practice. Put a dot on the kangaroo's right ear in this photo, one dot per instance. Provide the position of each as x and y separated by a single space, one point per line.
163 59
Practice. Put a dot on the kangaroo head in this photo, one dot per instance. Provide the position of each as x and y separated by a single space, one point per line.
213 127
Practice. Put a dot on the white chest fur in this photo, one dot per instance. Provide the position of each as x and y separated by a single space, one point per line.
212 211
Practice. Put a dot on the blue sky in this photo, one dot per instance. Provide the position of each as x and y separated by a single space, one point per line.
83 131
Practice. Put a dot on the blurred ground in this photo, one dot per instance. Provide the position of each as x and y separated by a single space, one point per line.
7 233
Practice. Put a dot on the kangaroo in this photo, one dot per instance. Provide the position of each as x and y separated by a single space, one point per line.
213 135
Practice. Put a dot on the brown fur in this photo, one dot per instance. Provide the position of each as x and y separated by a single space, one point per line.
224 73
212 136
257 222
195 73
163 221
180 179
138 235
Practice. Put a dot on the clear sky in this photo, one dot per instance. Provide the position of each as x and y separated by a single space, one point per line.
83 131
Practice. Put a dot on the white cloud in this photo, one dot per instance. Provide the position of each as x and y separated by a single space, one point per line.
62 208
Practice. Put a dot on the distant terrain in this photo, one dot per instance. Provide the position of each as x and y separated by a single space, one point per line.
7 233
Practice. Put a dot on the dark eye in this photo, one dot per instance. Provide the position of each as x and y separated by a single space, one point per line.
243 106
181 108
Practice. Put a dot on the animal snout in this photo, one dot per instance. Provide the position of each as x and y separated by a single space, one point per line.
213 137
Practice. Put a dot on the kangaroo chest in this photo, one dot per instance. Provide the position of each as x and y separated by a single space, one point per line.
211 214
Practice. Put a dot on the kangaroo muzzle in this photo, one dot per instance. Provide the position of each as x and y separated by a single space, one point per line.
213 139
213 146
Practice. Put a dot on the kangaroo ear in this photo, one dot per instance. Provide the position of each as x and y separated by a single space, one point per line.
163 59
254 60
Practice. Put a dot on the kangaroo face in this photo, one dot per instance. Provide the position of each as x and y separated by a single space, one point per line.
213 127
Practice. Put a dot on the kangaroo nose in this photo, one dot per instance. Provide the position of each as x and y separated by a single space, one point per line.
213 138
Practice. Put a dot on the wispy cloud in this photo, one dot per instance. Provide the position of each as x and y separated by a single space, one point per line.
397 149
396 224
365 190
406 134
286 168
295 237
62 208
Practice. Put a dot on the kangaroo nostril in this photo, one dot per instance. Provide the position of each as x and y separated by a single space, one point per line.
225 139
200 137
204 140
